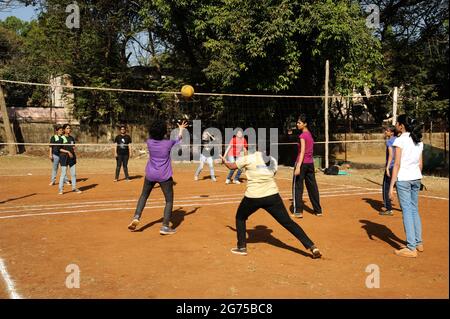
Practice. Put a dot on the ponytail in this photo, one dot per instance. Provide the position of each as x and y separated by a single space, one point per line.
412 126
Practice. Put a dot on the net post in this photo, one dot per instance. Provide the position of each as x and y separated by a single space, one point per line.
327 74
394 106
7 124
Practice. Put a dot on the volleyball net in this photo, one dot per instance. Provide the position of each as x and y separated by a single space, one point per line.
355 122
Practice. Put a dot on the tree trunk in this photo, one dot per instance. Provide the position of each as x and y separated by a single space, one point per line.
7 125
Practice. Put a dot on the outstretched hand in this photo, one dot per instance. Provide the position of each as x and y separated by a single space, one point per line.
183 125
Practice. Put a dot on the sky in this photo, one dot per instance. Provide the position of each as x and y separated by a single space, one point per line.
23 13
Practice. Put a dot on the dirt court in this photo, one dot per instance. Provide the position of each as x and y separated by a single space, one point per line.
41 233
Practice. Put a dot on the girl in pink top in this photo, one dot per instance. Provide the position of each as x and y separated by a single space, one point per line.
304 171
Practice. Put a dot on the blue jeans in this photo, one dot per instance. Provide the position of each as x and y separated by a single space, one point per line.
55 168
233 159
408 196
73 175
209 160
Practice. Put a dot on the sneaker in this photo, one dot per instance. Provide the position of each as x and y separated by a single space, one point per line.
60 193
51 184
67 183
419 248
195 178
166 230
298 215
133 224
406 252
386 213
319 214
239 251
236 181
127 179
213 179
115 180
227 181
76 190
315 252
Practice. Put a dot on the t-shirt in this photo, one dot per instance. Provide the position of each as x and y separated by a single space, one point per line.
309 147
260 177
237 145
56 139
122 142
390 143
69 143
409 162
207 149
159 165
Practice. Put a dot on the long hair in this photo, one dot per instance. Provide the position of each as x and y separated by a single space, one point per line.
412 126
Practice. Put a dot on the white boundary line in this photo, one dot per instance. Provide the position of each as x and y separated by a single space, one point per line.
176 204
156 200
10 287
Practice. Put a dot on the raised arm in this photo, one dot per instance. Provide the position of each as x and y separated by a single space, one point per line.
181 127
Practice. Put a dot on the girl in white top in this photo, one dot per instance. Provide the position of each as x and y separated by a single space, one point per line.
406 176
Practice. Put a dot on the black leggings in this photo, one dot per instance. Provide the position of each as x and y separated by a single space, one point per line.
274 206
306 174
167 188
122 159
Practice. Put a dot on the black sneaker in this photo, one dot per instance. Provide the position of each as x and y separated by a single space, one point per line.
316 253
319 214
239 251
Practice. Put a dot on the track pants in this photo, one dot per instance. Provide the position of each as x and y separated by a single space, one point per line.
274 206
307 175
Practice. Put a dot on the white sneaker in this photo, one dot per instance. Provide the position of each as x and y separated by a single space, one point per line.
213 179
51 184
227 181
195 178
236 182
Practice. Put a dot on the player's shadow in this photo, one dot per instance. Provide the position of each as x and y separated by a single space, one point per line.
16 198
381 232
262 234
87 187
373 182
377 204
177 218
135 177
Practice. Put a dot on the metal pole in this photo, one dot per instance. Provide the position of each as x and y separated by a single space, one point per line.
394 106
327 74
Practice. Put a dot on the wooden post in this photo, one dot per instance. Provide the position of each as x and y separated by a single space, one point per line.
394 106
327 74
7 125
